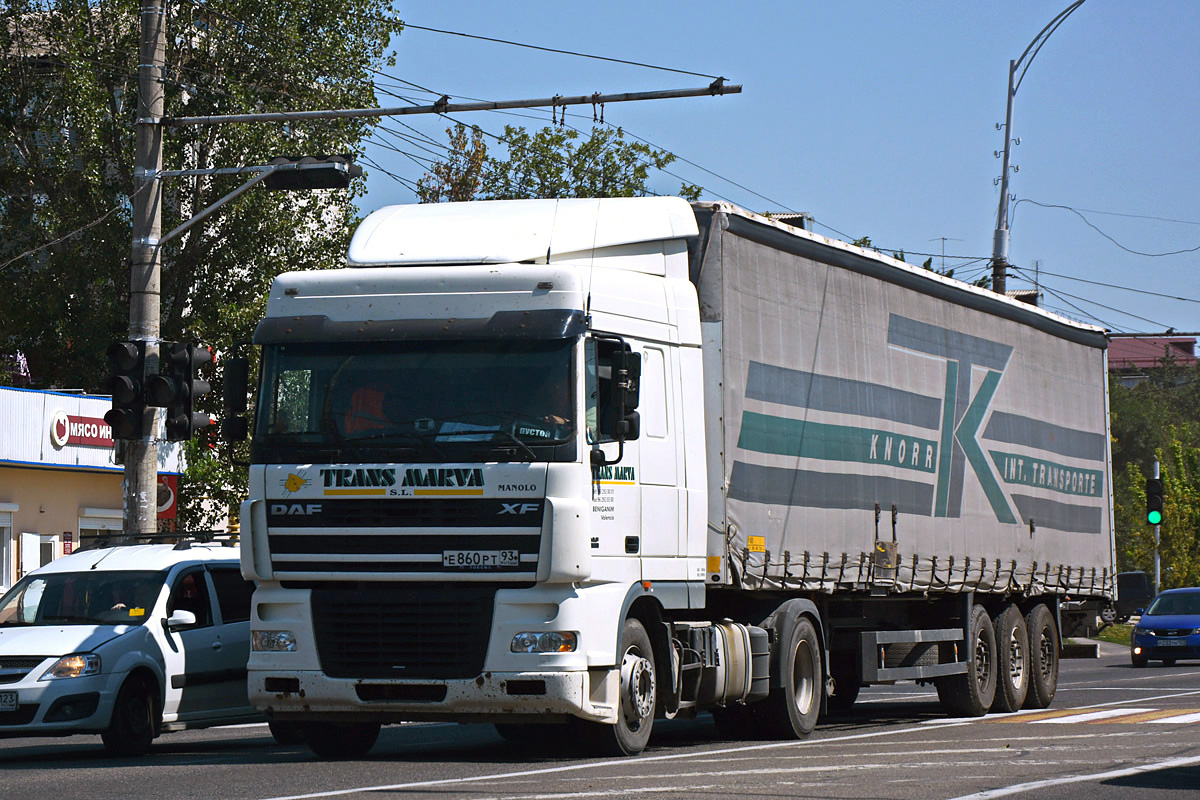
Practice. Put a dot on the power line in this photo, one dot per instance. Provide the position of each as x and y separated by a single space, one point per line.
559 51
1091 225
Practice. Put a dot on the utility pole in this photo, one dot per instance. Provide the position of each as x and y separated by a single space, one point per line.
1000 240
140 486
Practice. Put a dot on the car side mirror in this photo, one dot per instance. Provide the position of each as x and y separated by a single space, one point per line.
180 619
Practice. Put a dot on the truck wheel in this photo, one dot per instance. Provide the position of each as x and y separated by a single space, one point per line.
135 719
971 694
339 740
1012 651
286 733
844 670
637 699
1043 657
791 710
735 722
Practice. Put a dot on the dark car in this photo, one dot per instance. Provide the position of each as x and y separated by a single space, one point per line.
1169 629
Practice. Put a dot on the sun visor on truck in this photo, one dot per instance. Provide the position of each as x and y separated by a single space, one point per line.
546 323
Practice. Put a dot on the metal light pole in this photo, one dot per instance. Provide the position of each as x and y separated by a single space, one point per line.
1000 241
1157 562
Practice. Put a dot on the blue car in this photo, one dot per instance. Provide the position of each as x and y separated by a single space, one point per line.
1169 629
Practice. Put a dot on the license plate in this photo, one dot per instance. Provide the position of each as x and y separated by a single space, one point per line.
480 559
8 701
1179 642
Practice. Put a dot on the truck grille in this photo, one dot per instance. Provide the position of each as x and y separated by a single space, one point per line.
389 537
416 631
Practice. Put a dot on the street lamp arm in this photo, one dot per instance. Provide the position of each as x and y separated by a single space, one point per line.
1039 40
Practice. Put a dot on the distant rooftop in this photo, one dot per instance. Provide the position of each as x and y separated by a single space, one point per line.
1148 352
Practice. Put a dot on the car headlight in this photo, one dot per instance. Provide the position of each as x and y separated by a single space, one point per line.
273 641
550 642
76 665
1138 629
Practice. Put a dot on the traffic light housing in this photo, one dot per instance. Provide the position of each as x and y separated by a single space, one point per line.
127 384
1154 501
177 387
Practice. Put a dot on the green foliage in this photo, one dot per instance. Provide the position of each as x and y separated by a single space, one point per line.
1159 418
1179 534
554 162
68 105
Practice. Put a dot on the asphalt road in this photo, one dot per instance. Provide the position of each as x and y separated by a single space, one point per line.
1113 732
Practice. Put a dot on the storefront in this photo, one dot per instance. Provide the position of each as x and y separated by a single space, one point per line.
60 487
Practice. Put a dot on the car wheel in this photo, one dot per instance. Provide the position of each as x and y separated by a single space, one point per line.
1139 661
340 740
790 711
970 694
1012 651
135 719
1043 657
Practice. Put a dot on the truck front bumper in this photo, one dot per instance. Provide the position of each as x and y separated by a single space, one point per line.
490 697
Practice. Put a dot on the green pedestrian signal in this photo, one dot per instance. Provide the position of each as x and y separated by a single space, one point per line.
1154 501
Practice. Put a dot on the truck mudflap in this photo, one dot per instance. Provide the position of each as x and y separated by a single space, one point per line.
492 696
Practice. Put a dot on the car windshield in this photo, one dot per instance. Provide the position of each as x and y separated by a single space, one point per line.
1170 604
81 598
435 401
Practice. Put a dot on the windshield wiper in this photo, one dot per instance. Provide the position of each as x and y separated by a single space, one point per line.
424 439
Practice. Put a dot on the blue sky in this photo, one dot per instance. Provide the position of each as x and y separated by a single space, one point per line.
878 118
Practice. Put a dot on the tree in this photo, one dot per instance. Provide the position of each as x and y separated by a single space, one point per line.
1179 543
1157 419
554 162
68 87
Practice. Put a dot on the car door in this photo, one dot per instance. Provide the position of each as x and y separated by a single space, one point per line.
198 668
233 593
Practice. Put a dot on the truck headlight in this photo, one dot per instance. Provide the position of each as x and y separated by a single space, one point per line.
550 642
76 665
273 641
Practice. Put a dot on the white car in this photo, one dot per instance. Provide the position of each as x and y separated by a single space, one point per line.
127 642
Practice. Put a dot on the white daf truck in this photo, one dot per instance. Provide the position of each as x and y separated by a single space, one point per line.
592 463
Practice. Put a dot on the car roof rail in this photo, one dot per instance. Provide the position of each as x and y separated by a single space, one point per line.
182 540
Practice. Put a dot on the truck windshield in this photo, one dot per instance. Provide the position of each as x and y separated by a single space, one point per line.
82 598
430 401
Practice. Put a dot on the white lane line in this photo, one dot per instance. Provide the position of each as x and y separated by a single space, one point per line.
1182 718
1032 786
625 762
1108 713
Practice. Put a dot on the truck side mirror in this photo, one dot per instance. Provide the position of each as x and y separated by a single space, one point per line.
234 426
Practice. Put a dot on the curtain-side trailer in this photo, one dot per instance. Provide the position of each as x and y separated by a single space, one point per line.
597 462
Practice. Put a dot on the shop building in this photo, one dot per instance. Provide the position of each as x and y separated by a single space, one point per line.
60 485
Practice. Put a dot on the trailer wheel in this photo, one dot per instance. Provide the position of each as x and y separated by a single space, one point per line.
791 710
970 694
340 740
1012 650
1043 657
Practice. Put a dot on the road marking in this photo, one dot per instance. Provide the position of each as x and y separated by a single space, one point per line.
613 763
1194 717
1031 786
1107 715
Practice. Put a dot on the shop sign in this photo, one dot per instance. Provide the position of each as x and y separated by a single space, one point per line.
168 486
80 431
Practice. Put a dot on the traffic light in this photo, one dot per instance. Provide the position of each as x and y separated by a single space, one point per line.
1154 501
127 416
312 172
177 387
